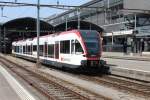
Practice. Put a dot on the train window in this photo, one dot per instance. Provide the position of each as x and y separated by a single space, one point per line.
29 49
14 48
20 49
65 46
72 46
17 49
24 49
45 49
41 50
51 50
78 48
34 48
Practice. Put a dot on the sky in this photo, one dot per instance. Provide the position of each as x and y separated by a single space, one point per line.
18 12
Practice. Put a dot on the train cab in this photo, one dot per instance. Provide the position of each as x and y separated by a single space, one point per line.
92 46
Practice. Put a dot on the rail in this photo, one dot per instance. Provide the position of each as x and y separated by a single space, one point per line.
128 85
49 88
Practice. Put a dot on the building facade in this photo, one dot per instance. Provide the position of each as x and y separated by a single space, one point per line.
126 24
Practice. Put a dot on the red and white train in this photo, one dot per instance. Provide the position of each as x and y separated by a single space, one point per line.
75 49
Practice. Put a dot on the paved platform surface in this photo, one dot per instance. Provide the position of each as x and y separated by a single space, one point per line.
11 89
118 55
129 64
132 66
6 91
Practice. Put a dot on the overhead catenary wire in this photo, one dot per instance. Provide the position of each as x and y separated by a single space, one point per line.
67 7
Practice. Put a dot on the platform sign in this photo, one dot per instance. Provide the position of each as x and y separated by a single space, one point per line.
137 4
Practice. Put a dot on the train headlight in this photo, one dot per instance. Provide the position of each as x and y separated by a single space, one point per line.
84 63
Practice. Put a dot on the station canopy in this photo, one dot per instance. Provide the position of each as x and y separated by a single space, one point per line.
84 25
25 28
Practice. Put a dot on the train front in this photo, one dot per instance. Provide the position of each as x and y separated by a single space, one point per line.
92 45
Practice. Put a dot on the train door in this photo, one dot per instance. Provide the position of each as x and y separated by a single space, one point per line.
57 50
45 49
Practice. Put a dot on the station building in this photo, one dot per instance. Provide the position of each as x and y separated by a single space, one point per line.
126 23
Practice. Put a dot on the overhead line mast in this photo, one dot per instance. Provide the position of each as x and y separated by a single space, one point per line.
38 32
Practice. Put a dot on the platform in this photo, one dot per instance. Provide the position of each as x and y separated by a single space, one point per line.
11 89
131 56
6 91
132 66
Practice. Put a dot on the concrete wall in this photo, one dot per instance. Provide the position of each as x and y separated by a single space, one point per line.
137 4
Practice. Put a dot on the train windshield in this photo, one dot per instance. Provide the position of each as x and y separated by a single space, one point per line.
92 41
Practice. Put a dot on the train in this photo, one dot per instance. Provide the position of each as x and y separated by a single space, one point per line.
74 49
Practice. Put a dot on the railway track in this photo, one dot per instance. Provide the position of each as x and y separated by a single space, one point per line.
120 83
123 84
51 88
